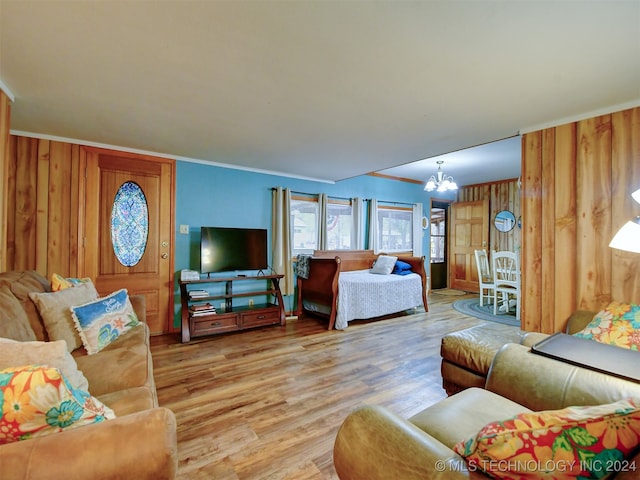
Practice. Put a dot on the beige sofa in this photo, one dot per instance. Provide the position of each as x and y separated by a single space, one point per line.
139 443
373 443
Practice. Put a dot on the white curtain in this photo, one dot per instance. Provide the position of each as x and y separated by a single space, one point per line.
322 221
418 233
373 225
281 241
357 216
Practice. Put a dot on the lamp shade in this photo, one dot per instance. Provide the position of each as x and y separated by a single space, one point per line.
628 237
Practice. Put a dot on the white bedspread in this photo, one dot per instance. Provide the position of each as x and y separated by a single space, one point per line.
362 294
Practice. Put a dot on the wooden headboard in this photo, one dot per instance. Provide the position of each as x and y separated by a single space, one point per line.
349 259
363 259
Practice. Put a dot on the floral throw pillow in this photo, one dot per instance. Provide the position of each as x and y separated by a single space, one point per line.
584 442
102 321
38 400
618 324
53 353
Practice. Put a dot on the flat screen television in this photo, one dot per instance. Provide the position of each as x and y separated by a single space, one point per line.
230 249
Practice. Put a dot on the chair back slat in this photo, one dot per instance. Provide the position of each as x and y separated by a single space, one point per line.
506 274
484 270
506 269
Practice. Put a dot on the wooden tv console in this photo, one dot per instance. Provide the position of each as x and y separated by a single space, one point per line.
229 318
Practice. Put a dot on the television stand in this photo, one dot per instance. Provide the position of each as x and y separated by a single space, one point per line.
223 316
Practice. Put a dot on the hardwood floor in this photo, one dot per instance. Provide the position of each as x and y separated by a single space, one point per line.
267 403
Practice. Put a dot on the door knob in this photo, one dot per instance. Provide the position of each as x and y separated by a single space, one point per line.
165 255
165 244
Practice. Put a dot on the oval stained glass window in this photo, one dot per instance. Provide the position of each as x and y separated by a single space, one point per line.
129 224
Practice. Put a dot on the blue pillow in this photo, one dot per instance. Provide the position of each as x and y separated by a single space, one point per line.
403 272
402 265
401 268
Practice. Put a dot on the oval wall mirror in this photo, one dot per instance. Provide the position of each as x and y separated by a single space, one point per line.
504 221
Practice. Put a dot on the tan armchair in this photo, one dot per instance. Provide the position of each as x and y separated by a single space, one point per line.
373 443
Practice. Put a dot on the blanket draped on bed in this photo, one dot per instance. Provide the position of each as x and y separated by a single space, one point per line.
302 266
362 294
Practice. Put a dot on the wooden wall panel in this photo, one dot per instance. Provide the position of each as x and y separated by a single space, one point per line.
5 151
9 191
74 205
570 216
625 280
504 195
24 218
531 205
563 220
59 207
44 203
547 223
594 215
42 215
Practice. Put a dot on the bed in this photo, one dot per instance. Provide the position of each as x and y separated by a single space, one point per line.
340 287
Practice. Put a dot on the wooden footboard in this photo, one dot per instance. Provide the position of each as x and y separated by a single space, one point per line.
417 265
321 288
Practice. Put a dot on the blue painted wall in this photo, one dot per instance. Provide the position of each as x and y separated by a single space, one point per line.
216 196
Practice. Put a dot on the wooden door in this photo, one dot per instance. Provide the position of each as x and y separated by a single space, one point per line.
469 232
152 275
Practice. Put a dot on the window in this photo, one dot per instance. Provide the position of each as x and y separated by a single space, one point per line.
129 224
438 235
395 229
304 222
339 224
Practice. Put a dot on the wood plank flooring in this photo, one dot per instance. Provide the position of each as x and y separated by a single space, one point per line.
267 403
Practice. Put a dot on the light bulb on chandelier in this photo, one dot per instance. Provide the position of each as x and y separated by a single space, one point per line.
442 182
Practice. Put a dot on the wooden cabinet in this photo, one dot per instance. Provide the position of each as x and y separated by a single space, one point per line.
229 317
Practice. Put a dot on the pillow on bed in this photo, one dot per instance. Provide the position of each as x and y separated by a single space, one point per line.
402 268
384 265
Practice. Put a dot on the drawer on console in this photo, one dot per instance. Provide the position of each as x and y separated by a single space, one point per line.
213 324
263 317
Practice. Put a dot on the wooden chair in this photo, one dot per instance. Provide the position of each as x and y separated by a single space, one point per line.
506 278
485 277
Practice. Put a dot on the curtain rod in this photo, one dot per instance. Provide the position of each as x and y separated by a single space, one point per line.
349 198
314 194
392 202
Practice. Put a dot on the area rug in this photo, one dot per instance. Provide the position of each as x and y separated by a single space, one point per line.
450 292
471 307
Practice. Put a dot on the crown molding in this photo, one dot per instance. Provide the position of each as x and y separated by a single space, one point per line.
583 116
7 92
75 141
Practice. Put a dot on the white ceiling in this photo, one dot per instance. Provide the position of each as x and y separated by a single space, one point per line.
318 89
485 163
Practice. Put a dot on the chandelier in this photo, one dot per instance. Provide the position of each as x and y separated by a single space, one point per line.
442 183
